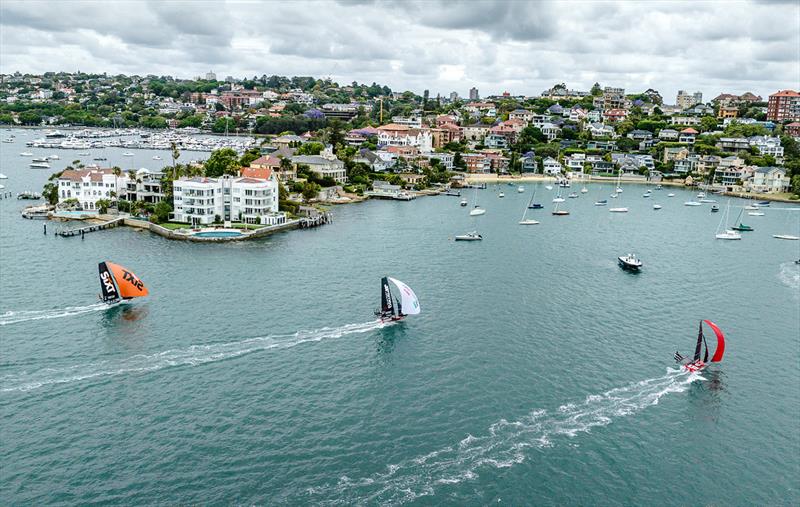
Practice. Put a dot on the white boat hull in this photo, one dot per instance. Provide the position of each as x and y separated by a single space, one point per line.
528 222
733 235
477 212
618 210
786 236
755 214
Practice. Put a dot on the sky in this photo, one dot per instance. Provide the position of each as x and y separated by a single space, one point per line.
515 46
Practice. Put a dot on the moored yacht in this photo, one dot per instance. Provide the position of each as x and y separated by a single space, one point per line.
630 262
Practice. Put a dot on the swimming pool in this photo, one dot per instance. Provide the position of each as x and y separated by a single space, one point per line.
217 234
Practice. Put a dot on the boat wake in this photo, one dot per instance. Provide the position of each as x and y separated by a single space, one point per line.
789 275
12 317
190 356
503 445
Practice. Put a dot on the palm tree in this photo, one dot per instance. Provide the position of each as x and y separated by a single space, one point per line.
175 155
117 172
285 165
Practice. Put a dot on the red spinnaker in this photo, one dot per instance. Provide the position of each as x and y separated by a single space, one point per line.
720 342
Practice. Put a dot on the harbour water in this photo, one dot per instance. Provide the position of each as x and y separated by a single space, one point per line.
538 373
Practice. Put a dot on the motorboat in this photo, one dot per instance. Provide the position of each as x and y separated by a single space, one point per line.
558 199
535 205
584 190
127 154
614 195
670 194
40 159
701 195
714 208
659 187
156 157
573 195
501 194
39 165
463 202
3 176
692 203
786 236
601 203
630 262
528 221
477 211
560 212
656 206
756 214
549 187
54 157
763 203
646 195
36 212
520 189
470 236
453 193
751 207
84 154
100 159
26 154
29 195
618 210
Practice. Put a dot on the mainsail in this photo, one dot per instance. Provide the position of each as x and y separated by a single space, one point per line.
701 340
409 303
387 303
117 282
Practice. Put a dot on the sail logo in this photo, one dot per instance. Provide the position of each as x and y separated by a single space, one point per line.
388 296
128 277
105 277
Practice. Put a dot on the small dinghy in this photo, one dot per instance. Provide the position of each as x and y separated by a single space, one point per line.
601 203
501 194
670 195
470 236
714 208
463 202
118 283
656 206
629 262
572 195
396 308
696 364
520 189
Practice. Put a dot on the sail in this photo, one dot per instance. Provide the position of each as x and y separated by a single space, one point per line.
129 285
108 288
720 351
409 304
387 304
699 345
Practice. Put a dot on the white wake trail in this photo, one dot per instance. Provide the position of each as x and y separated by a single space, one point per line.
191 356
789 275
504 444
15 317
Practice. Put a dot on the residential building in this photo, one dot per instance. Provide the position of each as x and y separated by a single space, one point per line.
203 201
601 145
498 141
326 164
707 163
551 166
89 186
402 135
687 135
685 120
792 129
685 100
477 163
675 153
685 165
445 159
475 132
669 135
615 115
614 98
528 161
768 179
728 112
551 131
198 200
273 163
601 130
445 133
730 171
784 105
371 159
521 114
575 162
733 143
145 186
768 146
640 135
409 121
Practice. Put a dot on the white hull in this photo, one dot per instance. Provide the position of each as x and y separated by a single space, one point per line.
558 199
656 206
670 195
755 214
477 212
692 203
786 236
729 234
618 210
528 222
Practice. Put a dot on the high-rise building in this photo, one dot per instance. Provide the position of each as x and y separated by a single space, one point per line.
685 100
210 76
453 96
783 105
473 94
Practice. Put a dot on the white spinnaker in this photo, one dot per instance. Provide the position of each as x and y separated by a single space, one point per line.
408 299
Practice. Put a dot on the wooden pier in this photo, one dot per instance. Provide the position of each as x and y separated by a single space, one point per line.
80 231
316 220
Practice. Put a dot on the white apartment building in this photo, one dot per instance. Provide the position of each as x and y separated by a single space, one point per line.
768 146
768 179
89 186
203 201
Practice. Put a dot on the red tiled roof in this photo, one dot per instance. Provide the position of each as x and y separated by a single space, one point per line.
689 130
252 172
785 93
267 160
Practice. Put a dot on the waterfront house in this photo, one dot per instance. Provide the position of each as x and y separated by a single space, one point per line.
445 159
685 165
326 164
675 153
768 179
730 171
145 187
204 201
89 186
496 141
575 162
551 166
528 161
394 134
412 178
602 167
372 160
477 163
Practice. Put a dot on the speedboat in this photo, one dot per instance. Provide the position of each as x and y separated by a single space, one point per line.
463 202
40 159
714 208
646 194
656 206
692 203
501 194
601 203
630 262
618 210
572 195
470 236
476 211
535 205
729 234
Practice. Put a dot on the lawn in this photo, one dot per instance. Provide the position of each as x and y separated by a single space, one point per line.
174 225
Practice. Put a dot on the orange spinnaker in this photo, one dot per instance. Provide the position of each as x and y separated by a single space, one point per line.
130 286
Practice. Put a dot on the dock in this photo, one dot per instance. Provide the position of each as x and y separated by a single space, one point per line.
79 231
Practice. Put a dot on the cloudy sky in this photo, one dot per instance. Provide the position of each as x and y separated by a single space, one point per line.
521 47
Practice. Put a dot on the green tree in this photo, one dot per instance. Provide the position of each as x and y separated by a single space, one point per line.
310 148
223 161
708 124
162 211
249 156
